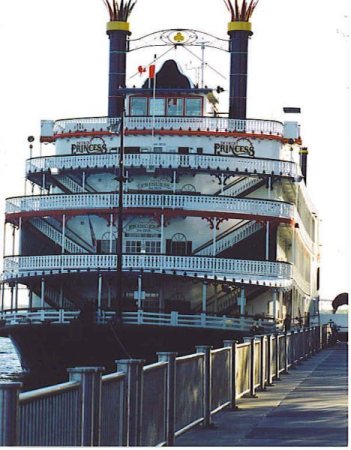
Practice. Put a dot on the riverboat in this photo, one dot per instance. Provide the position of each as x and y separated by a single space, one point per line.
163 225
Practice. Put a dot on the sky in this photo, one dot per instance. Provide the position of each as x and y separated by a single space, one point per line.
54 64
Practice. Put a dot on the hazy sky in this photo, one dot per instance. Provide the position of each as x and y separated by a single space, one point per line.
54 57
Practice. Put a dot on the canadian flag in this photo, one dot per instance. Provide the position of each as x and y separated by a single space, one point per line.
152 70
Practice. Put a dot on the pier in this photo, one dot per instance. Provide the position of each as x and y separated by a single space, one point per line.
271 389
307 408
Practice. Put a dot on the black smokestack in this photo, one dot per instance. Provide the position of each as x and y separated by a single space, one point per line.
303 162
238 48
117 66
118 32
239 30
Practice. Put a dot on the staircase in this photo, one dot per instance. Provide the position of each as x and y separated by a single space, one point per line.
71 186
55 235
237 233
241 187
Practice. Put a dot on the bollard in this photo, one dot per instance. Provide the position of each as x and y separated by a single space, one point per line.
269 359
252 369
206 349
170 358
232 373
9 412
277 368
133 368
263 363
90 395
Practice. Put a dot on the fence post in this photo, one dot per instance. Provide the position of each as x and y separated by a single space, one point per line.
269 359
293 349
90 394
304 344
170 358
252 369
133 368
9 409
232 345
277 359
263 364
206 349
286 354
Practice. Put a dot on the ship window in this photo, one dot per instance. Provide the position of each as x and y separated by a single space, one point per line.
193 107
178 245
138 106
105 246
153 247
157 107
133 246
174 107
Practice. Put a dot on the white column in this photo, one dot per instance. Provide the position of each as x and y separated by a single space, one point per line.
111 232
214 233
20 235
61 296
108 295
99 290
83 181
16 296
42 293
13 239
174 181
2 296
222 183
275 304
242 301
162 249
139 291
63 233
267 240
204 297
126 182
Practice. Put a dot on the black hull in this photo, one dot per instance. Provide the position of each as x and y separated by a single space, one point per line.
47 350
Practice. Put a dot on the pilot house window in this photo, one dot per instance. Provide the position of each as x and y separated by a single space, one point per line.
138 106
174 107
193 107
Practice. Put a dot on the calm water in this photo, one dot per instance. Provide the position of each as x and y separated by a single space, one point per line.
10 367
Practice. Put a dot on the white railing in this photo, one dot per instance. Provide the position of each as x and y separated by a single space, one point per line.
206 203
231 239
212 124
245 271
241 186
140 317
70 184
198 162
56 236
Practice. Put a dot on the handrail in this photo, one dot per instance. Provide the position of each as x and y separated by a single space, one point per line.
47 391
197 162
265 208
247 271
219 124
173 319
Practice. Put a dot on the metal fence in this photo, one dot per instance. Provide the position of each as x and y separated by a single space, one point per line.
151 405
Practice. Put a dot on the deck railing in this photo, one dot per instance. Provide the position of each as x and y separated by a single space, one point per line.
210 124
246 271
151 405
206 203
140 317
165 160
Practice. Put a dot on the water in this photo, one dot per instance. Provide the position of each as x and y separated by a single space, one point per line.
10 367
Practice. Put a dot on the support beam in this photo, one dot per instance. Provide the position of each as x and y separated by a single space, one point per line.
204 297
42 293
